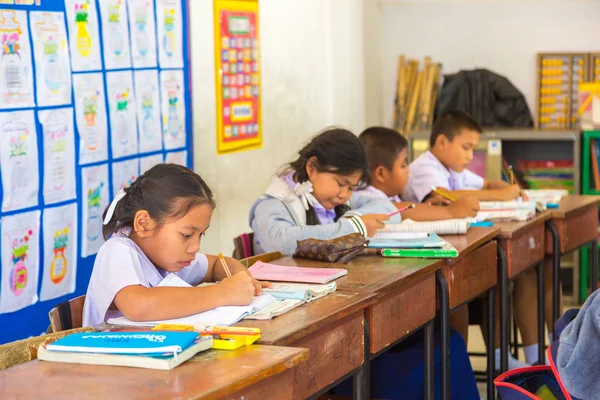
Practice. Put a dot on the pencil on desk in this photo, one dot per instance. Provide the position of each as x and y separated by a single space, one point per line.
224 264
446 195
398 211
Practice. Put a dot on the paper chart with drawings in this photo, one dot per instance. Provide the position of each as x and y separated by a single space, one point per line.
170 33
51 52
173 108
124 173
16 72
115 34
142 33
177 157
147 100
150 161
123 124
58 132
90 117
82 22
19 157
60 251
20 261
94 199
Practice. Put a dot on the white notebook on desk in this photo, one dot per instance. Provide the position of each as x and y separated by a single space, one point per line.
444 227
221 316
546 195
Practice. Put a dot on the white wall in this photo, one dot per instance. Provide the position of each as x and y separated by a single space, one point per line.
312 77
500 35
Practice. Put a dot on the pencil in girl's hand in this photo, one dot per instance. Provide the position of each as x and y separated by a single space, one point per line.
446 195
512 175
224 264
398 211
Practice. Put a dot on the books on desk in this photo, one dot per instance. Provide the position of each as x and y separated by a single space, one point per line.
443 227
300 291
154 350
510 210
553 196
431 247
272 272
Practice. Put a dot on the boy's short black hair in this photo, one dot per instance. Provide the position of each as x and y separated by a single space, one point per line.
451 123
382 146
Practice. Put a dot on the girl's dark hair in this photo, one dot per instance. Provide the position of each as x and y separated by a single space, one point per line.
165 191
336 150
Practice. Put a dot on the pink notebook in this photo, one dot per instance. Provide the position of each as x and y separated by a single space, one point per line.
272 272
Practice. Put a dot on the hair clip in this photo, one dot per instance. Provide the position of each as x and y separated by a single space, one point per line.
111 210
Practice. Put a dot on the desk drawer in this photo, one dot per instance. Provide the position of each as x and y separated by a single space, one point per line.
399 313
524 250
334 351
472 275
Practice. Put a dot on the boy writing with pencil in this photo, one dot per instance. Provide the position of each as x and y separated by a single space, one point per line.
454 136
443 169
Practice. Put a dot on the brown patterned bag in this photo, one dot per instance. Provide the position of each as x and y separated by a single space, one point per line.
342 249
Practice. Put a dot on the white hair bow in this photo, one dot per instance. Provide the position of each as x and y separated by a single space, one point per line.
111 210
304 191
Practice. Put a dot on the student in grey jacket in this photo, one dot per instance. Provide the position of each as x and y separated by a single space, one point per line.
313 196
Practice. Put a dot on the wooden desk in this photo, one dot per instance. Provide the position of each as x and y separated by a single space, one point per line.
252 372
521 247
461 280
573 225
333 329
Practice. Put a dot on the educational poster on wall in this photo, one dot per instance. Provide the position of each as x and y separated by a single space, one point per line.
177 157
147 95
19 157
51 55
121 103
82 22
142 33
150 161
124 173
60 251
94 194
16 73
20 266
90 117
59 154
170 33
237 75
173 109
115 34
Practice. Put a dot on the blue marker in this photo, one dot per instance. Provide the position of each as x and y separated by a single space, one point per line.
552 205
482 224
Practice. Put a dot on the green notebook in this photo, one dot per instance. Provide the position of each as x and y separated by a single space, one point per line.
448 251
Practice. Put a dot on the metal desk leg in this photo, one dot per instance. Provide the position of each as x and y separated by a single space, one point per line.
594 262
504 321
429 361
362 379
541 319
555 274
445 336
490 340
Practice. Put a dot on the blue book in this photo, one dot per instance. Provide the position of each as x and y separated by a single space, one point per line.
152 349
432 241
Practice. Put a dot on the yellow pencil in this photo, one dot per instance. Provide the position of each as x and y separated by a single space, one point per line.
224 264
512 175
446 195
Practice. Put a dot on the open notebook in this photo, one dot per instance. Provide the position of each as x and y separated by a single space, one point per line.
444 227
546 195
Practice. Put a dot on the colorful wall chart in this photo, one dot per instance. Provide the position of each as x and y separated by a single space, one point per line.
92 94
237 65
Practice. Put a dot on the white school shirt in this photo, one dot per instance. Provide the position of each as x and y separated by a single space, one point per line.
427 171
120 263
381 194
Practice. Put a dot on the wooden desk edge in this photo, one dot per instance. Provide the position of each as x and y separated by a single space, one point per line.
538 219
558 214
492 234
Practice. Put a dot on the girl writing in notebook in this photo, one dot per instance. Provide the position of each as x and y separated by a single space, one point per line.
153 228
312 197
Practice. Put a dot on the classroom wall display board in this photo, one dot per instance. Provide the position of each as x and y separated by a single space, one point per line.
237 74
92 94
